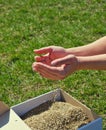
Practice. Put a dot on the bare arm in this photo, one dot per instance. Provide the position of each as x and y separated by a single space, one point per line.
94 48
60 62
96 62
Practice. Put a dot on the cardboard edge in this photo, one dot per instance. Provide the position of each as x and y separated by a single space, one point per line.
28 105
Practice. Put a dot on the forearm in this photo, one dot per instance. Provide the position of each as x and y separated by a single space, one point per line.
97 62
94 48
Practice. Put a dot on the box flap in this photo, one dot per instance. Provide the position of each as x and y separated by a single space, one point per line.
3 108
68 98
11 121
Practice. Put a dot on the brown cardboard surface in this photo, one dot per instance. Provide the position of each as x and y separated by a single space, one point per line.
68 98
3 108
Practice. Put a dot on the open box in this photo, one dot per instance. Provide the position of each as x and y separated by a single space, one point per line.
10 118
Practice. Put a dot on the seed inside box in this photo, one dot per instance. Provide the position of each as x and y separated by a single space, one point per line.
56 116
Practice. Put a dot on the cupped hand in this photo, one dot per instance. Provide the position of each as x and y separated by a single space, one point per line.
59 68
48 54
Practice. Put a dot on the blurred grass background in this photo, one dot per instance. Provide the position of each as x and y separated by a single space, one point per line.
26 25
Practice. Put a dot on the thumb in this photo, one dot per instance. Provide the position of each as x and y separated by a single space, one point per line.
65 60
43 50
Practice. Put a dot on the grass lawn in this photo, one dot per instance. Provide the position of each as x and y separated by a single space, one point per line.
29 24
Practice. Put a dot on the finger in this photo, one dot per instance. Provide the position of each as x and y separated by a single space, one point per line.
44 50
39 58
65 60
43 59
52 76
47 73
49 76
43 68
34 66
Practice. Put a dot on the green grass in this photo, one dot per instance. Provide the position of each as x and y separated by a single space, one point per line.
29 24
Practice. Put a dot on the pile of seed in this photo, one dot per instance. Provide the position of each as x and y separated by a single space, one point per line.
60 116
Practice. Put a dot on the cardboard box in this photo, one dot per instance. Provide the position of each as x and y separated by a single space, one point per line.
10 118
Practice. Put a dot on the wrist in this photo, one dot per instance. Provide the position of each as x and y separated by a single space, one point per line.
77 51
81 63
85 62
96 62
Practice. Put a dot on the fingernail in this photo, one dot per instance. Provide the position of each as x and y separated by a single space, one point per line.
34 68
35 50
52 63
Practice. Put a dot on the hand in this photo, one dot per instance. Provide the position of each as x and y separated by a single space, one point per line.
49 54
59 69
